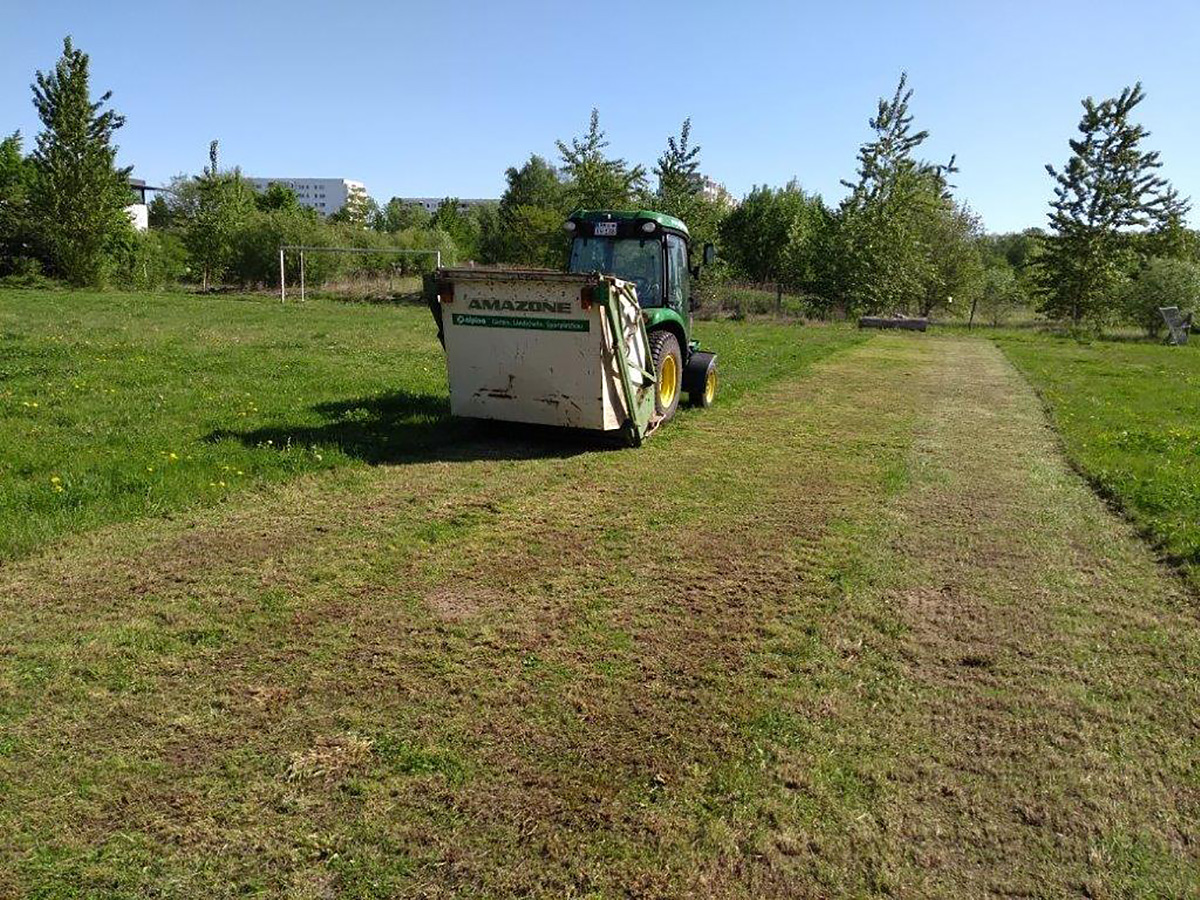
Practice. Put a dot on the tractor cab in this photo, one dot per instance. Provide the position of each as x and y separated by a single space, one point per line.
651 250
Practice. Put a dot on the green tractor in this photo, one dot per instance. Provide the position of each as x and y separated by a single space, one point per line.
604 346
653 251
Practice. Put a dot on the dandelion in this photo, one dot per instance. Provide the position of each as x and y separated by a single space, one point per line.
172 456
55 480
149 468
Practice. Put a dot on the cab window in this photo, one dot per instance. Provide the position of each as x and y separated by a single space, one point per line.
633 259
678 275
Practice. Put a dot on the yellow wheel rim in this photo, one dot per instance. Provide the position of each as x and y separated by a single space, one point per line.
710 386
668 382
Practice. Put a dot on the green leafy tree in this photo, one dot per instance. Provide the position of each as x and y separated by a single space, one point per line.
528 227
159 215
1160 283
536 183
396 215
78 195
680 187
16 177
359 209
949 236
277 198
223 203
463 228
1108 187
882 256
594 180
755 237
678 171
1000 295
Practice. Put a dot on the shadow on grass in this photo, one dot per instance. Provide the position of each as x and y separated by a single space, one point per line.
404 427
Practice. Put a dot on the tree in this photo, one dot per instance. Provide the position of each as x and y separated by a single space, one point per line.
397 215
755 237
462 228
1160 283
536 183
949 235
680 189
679 180
1108 187
882 255
78 195
159 214
359 209
594 180
277 198
1000 295
528 227
16 176
223 202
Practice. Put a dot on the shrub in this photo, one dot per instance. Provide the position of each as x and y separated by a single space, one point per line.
1161 282
149 260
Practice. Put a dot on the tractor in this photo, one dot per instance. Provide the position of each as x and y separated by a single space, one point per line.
605 345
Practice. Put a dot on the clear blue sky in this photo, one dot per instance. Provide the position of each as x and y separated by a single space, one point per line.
436 99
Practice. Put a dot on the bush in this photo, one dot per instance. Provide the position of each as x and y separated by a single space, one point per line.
149 260
1160 283
256 244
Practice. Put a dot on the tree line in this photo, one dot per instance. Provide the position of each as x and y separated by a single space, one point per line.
1116 247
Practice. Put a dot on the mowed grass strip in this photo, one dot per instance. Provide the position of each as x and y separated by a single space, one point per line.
1047 742
1128 415
117 406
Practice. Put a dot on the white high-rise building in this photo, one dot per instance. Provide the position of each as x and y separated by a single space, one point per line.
325 195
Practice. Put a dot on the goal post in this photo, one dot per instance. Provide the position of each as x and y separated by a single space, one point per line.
300 249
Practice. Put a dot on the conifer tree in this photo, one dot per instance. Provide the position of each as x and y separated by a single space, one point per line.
1108 187
78 196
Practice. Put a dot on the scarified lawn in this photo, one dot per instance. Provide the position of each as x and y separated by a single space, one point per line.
861 633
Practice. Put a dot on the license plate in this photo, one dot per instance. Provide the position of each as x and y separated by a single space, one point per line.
606 229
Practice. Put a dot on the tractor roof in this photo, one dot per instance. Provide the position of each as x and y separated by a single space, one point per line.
629 215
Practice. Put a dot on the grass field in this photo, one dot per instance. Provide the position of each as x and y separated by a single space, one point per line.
858 630
116 406
1128 415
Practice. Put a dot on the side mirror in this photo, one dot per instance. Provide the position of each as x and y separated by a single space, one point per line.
695 271
710 254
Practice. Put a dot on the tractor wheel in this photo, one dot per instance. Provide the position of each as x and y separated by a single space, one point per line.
668 363
705 398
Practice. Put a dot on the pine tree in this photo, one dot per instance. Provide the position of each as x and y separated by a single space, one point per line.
1108 187
597 182
78 196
